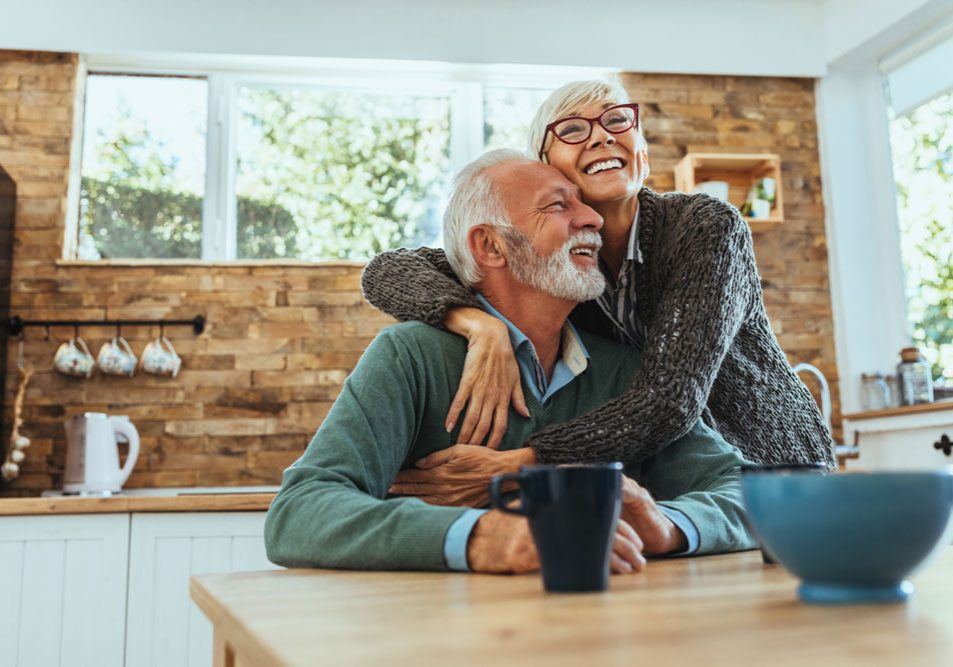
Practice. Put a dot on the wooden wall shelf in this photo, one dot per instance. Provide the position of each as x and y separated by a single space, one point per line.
740 171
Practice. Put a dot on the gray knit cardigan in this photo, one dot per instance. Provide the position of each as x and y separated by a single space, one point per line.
709 348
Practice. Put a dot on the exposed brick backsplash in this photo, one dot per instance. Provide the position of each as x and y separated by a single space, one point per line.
281 339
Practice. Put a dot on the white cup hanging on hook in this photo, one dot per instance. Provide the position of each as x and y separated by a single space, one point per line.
116 356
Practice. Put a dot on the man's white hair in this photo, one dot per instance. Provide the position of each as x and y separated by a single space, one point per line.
570 100
474 201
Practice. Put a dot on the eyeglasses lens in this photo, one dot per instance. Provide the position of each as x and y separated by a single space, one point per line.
577 130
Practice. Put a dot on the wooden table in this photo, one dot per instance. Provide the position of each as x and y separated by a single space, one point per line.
716 610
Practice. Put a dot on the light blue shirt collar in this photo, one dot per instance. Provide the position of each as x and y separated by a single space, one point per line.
574 359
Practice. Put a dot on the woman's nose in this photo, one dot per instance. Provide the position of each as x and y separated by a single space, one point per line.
600 136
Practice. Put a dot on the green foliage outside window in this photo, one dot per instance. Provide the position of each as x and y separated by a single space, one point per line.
127 221
359 172
923 167
320 175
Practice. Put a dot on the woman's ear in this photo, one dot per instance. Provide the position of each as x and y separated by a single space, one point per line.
487 246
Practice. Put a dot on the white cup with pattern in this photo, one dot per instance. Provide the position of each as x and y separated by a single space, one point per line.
160 358
73 358
117 358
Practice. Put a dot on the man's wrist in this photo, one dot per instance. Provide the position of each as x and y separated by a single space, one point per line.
513 459
479 545
678 541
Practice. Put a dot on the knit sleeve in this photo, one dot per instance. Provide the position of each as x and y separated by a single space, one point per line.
414 285
708 293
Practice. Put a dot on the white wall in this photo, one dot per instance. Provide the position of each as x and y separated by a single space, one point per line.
848 24
781 37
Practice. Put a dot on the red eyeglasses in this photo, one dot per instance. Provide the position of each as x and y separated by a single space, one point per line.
576 129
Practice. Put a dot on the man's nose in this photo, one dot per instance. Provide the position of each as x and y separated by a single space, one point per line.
587 218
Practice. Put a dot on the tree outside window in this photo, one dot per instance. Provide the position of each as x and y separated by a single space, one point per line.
923 168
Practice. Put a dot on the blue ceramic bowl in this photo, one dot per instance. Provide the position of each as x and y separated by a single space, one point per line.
850 537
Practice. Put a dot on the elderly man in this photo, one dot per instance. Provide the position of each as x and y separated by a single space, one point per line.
517 233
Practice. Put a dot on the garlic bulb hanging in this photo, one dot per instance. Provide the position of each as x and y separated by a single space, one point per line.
18 442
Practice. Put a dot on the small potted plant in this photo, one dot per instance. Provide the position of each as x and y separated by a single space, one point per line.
760 199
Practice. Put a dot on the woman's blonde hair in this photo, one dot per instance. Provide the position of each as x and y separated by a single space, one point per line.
569 100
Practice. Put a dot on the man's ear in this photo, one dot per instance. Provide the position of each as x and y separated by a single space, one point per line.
487 246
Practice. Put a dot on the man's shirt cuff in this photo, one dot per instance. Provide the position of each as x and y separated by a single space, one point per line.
684 524
455 544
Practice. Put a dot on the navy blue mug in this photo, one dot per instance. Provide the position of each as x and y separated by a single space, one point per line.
572 512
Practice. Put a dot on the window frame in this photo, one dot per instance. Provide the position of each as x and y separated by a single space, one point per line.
225 75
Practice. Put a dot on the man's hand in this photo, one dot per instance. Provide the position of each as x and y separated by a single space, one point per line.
502 543
459 475
659 535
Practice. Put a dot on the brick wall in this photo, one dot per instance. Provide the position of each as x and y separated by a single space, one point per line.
281 339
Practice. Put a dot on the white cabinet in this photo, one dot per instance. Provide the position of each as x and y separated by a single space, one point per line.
165 628
63 590
107 590
901 438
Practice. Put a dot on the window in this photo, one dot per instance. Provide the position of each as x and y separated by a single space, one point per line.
223 165
922 142
507 115
342 175
143 171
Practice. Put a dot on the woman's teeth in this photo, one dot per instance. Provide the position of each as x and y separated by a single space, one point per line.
602 166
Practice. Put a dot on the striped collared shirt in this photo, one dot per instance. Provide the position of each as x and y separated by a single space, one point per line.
618 300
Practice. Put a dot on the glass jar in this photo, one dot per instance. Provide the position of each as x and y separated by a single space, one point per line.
914 378
875 391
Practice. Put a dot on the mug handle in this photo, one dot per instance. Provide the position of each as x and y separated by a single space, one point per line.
166 343
121 342
496 494
79 342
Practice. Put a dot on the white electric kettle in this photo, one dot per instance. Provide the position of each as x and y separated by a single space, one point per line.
92 454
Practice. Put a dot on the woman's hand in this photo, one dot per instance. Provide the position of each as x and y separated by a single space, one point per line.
491 378
459 475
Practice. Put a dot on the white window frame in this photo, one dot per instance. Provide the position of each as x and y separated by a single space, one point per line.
463 84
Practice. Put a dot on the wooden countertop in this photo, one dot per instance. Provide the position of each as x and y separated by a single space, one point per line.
718 610
212 502
904 410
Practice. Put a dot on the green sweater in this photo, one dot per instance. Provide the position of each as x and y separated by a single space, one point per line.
332 509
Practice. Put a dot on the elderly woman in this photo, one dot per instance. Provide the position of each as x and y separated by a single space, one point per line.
682 285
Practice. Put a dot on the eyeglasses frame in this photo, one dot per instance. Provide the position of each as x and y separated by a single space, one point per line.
592 121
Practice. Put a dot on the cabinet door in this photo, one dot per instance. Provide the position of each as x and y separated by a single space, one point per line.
908 449
63 590
165 628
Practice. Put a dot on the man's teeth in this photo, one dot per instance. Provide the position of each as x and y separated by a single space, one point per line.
602 166
581 251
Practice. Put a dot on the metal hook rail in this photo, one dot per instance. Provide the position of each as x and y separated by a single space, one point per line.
15 325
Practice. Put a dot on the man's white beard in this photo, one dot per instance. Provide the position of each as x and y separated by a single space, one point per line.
556 274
